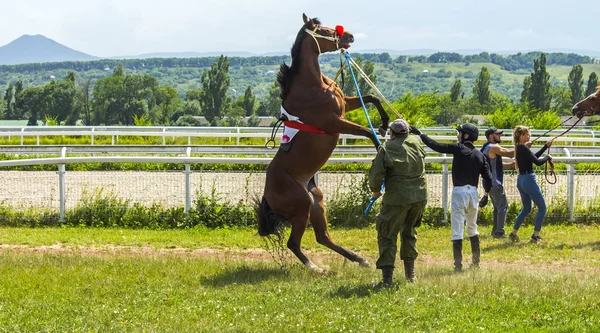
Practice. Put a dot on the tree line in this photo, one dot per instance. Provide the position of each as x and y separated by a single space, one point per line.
136 99
511 62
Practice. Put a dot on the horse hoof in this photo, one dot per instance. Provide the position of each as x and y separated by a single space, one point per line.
382 131
314 268
364 263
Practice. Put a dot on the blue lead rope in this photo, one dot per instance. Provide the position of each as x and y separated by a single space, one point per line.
373 199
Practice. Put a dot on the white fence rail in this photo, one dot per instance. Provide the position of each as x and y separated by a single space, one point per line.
187 161
344 150
237 133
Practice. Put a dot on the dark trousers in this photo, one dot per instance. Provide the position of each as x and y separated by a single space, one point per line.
500 203
398 219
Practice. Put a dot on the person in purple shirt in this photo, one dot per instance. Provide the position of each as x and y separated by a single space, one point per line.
526 184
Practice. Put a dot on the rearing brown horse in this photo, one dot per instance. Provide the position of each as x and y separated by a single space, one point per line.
291 193
589 106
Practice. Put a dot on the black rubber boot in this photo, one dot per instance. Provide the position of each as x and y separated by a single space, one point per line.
476 250
457 249
387 273
409 270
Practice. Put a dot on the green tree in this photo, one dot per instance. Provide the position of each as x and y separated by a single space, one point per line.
248 101
84 102
539 92
592 84
192 108
215 82
576 83
193 95
270 105
561 101
32 102
168 102
9 99
481 89
509 117
61 100
2 108
119 97
455 90
349 88
526 89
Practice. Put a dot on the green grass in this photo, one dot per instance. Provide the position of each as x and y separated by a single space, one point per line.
92 280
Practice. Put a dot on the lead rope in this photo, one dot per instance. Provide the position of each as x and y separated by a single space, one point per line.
373 199
552 172
276 127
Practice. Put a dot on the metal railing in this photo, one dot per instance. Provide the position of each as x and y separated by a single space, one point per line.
556 150
237 133
187 161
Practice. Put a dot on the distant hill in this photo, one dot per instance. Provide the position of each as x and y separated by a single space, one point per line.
37 48
198 55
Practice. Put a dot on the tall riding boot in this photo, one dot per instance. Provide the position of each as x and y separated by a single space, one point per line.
387 273
457 249
476 250
409 270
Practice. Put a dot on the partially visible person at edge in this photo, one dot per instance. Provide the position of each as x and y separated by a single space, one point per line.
526 184
467 164
494 151
400 163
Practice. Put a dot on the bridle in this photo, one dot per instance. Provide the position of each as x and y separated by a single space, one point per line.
315 35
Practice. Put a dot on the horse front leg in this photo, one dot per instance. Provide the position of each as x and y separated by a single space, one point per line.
336 124
353 103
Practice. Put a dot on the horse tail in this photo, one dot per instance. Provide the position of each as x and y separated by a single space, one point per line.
269 222
283 79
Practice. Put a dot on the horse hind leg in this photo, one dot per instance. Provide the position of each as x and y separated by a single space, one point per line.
298 218
318 220
294 243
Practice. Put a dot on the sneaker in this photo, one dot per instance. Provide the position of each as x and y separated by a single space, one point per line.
499 236
513 238
536 239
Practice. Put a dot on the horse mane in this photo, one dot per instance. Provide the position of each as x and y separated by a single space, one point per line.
284 77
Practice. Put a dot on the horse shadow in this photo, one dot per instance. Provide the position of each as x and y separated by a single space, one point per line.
503 246
243 275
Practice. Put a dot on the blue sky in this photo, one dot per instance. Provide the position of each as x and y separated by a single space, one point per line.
130 27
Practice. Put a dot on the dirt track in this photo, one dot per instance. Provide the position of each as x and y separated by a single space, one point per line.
256 254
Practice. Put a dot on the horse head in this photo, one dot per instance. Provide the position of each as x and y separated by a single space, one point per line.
327 39
588 106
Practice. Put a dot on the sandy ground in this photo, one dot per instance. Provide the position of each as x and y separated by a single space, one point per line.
40 188
260 254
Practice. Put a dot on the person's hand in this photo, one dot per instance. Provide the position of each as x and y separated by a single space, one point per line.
528 144
549 143
414 130
549 157
376 195
484 201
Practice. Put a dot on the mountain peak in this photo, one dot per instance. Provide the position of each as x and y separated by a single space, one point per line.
38 48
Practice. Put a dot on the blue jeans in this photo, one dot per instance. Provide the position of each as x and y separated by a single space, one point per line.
529 191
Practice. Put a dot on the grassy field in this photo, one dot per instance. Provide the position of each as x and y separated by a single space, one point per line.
82 279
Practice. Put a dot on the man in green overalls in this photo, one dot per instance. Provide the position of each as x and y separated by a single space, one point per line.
400 163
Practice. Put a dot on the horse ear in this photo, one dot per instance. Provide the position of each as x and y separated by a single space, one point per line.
305 18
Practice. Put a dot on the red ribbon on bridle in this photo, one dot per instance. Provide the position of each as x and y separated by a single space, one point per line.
339 30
